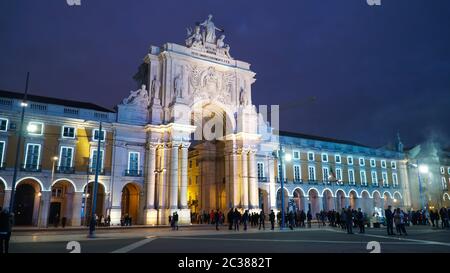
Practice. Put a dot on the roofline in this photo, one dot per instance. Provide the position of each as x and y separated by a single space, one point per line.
55 101
319 138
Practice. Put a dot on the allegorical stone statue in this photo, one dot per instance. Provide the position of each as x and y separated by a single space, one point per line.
156 87
243 97
194 38
210 35
178 85
139 97
222 46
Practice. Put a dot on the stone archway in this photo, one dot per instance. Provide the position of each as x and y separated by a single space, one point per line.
286 199
130 202
446 198
88 201
353 199
398 200
27 202
264 200
61 202
314 200
299 200
388 200
366 203
340 200
378 203
328 200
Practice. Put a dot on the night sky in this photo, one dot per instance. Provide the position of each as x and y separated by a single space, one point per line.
372 71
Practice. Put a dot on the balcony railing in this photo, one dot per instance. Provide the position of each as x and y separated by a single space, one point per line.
92 171
395 186
263 179
64 169
136 173
298 181
386 186
278 180
30 168
313 182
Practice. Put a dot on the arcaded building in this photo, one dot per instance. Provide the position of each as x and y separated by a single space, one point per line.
188 140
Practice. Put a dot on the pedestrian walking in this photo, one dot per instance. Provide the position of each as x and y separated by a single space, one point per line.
309 218
272 219
245 219
360 219
349 220
217 219
175 220
236 219
389 220
6 224
230 216
262 218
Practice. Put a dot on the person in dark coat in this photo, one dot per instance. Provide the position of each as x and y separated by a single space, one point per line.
389 220
6 224
309 218
236 219
349 220
245 219
175 220
262 219
217 219
272 219
230 219
360 219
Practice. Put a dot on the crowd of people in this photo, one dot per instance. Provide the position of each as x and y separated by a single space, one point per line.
346 219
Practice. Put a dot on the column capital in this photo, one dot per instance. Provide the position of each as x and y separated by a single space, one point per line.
185 145
153 145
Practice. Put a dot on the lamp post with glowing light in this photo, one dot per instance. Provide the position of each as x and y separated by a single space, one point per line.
282 156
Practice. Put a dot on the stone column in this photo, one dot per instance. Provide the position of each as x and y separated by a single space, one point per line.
162 174
253 181
150 175
306 205
236 188
403 183
245 178
44 208
174 176
184 175
76 208
228 180
272 183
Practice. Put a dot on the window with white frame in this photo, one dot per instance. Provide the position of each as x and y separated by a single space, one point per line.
385 178
324 157
260 168
95 135
442 170
65 157
2 152
373 163
68 132
393 165
383 163
297 174
311 173
338 174
362 161
133 162
310 156
35 128
374 178
337 159
444 183
448 170
350 160
362 175
296 154
394 179
93 159
351 177
325 173
3 124
32 156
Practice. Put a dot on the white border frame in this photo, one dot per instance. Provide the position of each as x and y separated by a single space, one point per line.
74 131
60 155
26 155
139 160
35 122
7 123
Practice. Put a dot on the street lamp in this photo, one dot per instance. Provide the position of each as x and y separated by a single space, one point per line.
288 158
